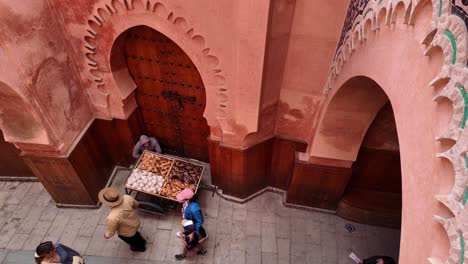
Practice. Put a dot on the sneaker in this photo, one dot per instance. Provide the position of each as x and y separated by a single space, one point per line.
203 239
179 257
202 252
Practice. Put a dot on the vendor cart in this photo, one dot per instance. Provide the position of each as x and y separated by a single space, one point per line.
162 177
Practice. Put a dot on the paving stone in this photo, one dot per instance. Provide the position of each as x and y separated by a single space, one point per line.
19 257
224 223
3 254
8 230
298 244
166 222
300 260
222 249
149 225
105 260
58 226
73 228
4 195
269 258
159 246
313 232
283 226
343 241
327 223
19 193
254 225
124 251
343 257
254 204
17 241
269 238
50 212
237 256
238 236
32 241
98 242
254 250
284 250
329 247
43 199
313 254
90 224
41 227
239 212
298 225
31 220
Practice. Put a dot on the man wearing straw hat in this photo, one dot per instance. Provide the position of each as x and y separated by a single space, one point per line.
123 218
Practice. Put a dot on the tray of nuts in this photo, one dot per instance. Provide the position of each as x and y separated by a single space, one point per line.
155 163
186 171
172 187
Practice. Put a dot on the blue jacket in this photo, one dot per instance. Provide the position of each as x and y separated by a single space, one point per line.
65 253
193 212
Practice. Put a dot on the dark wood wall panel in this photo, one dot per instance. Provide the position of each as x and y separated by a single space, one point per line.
317 185
11 164
243 172
378 170
60 179
373 195
282 161
77 179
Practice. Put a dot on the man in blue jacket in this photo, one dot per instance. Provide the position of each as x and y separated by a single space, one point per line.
191 211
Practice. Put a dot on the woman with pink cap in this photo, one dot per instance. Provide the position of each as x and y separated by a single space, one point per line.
191 211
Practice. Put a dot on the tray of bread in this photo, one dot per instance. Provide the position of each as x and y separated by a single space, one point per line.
164 176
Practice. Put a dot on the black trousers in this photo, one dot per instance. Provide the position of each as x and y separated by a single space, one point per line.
135 242
202 232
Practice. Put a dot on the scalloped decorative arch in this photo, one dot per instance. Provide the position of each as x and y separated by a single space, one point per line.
113 17
447 31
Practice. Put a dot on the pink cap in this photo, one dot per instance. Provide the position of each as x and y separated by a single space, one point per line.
186 194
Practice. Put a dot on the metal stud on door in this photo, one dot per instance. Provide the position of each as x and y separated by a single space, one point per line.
170 92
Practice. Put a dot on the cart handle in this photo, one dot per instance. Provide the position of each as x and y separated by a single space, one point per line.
212 188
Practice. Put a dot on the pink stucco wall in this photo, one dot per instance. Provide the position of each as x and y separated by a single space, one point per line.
35 64
314 35
391 57
225 39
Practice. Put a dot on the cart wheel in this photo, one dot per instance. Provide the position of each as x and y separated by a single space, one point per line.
151 208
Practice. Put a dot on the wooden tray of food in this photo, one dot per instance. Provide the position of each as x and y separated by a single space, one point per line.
163 176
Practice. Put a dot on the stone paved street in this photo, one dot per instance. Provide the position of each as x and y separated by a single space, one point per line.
260 231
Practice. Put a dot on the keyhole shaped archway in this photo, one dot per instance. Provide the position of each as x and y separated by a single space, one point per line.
170 93
358 127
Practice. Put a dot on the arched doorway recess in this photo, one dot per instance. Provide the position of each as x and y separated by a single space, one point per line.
170 92
373 194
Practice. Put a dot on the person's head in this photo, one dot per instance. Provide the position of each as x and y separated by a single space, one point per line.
185 195
189 226
385 260
194 198
110 197
43 251
144 140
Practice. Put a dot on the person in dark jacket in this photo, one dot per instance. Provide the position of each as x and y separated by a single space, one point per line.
48 252
378 260
146 143
191 211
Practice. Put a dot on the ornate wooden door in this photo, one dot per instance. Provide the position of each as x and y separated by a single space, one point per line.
170 92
